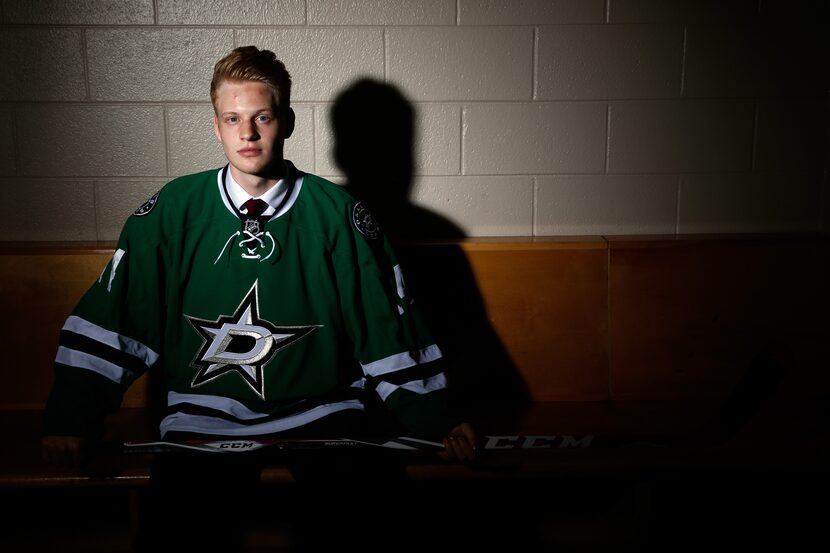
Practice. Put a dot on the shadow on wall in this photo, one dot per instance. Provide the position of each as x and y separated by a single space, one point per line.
374 129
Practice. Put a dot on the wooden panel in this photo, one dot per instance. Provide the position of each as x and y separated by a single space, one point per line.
688 316
489 303
39 292
517 321
549 307
40 286
524 320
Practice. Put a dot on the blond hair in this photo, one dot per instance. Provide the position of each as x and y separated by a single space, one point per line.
248 63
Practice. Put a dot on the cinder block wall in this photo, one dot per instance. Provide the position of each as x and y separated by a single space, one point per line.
533 117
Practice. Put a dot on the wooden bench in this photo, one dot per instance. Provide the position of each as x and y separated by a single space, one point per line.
617 336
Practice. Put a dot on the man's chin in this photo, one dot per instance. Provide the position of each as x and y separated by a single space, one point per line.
275 169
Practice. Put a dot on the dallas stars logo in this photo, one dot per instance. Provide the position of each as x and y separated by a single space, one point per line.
241 343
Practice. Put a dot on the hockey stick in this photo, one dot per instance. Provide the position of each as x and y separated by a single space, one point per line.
400 444
407 445
753 390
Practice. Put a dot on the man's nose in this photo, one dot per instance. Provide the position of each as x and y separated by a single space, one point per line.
249 131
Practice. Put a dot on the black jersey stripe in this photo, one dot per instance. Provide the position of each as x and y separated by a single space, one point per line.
411 374
126 361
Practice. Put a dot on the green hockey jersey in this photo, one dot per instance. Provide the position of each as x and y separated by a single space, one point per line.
260 325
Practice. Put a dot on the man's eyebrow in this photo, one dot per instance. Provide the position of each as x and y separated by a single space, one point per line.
270 110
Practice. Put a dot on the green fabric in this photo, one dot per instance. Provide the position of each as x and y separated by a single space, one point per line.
183 267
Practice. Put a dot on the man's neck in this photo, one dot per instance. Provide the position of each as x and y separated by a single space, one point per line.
257 185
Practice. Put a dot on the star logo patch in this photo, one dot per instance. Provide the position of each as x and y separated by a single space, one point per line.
365 222
241 343
147 206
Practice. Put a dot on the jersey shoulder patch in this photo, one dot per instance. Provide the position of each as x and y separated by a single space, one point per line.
364 222
147 206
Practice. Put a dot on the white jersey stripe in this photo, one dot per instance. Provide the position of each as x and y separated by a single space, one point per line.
292 197
121 343
81 360
203 424
402 361
437 382
218 403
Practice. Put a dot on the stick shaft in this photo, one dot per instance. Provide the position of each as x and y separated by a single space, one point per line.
402 444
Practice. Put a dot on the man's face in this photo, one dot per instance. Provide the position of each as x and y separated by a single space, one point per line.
246 124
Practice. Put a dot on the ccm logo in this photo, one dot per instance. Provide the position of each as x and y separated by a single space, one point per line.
236 445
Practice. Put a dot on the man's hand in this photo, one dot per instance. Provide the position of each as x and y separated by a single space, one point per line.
64 451
460 444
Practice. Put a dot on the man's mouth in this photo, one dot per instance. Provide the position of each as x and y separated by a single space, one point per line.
249 152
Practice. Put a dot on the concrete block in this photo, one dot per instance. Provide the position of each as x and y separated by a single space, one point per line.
721 61
481 206
530 12
437 139
534 138
749 202
41 65
381 12
679 11
680 136
583 62
66 210
154 64
8 162
605 204
231 12
791 135
88 12
792 57
467 63
91 140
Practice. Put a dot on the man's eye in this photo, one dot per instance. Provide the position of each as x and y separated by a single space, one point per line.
264 118
231 120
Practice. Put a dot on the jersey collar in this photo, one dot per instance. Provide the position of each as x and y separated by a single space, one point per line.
280 198
274 197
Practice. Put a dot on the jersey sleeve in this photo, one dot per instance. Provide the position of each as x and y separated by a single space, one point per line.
398 354
112 337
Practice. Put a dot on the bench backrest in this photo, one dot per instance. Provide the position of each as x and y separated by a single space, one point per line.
580 319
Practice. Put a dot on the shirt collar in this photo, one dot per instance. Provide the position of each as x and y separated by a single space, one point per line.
273 197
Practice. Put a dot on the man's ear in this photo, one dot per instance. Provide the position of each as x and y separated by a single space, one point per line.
287 119
216 128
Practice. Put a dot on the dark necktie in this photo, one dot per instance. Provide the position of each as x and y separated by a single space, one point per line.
255 207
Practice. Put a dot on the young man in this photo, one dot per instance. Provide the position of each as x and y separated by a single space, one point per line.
269 297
